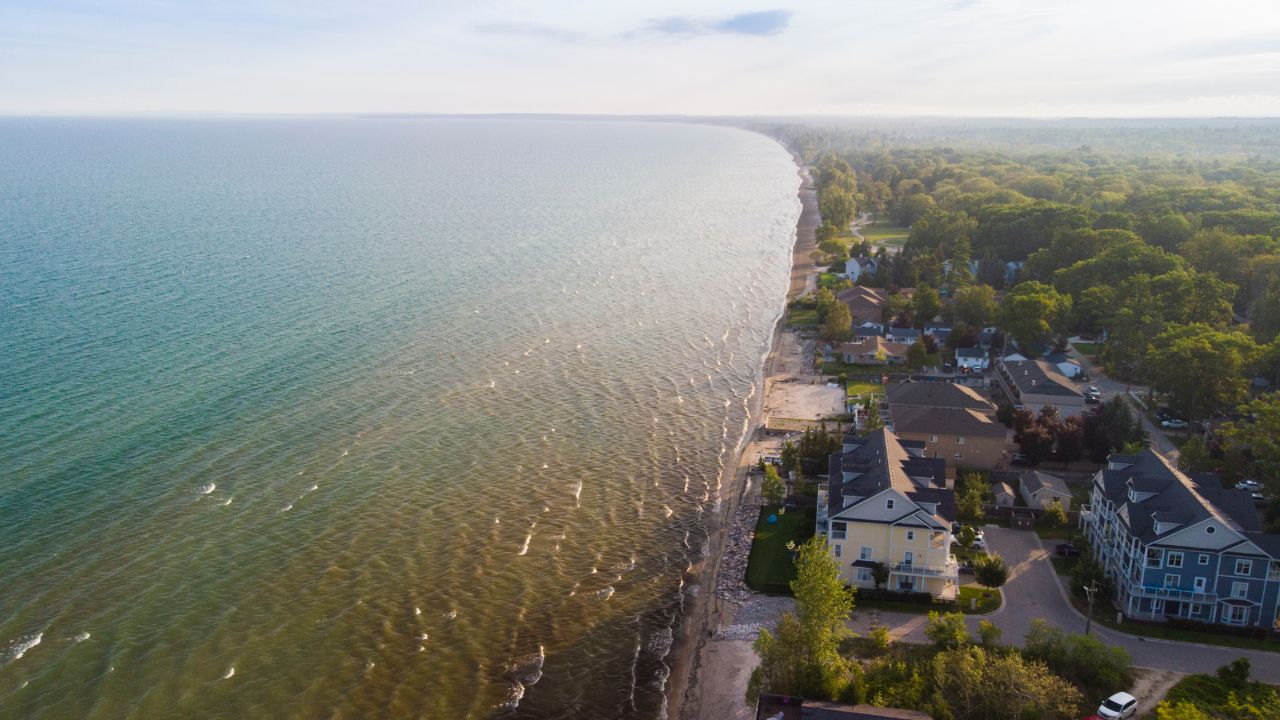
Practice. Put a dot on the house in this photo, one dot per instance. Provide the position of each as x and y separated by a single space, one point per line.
954 423
865 304
1068 367
871 350
1004 494
975 359
1181 547
1040 490
1011 270
1034 384
905 336
988 338
885 503
937 331
868 329
783 707
856 268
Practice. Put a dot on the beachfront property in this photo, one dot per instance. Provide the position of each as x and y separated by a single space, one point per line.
1040 490
856 268
885 502
865 304
1179 546
869 350
1034 384
954 423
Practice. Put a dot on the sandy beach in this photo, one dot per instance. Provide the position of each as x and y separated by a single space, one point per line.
710 675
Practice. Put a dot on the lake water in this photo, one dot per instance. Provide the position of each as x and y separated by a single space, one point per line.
354 418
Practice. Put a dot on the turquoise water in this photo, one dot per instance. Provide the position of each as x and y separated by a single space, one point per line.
369 418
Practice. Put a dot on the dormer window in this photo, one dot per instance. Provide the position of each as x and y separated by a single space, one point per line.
889 503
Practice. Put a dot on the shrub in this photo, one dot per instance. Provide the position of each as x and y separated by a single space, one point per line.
989 633
947 631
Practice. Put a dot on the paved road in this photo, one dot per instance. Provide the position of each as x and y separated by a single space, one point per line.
1160 442
1034 591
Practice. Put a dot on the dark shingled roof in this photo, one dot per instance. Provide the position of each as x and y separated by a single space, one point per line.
946 421
936 395
881 461
1040 378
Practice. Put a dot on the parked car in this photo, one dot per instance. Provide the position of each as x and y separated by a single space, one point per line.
1259 499
980 542
1019 459
1093 390
1175 424
1092 399
1164 413
1250 485
1120 705
1067 550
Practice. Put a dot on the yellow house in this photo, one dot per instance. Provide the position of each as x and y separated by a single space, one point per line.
887 504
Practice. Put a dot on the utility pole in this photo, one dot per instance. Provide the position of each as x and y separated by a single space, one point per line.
1089 591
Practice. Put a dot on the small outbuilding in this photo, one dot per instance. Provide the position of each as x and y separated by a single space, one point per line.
1040 490
1005 496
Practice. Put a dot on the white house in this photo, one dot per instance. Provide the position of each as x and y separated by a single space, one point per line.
972 358
855 268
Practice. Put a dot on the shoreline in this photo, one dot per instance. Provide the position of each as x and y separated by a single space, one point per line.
710 611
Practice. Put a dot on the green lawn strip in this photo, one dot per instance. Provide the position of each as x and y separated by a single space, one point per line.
886 234
988 600
1056 535
836 367
1088 349
1063 566
770 567
859 387
1104 615
802 317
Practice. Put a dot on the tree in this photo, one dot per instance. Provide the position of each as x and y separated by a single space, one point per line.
947 631
803 658
898 307
839 322
815 448
1032 312
772 488
1235 674
879 574
927 304
1069 440
837 206
790 456
991 572
1088 572
989 633
967 536
961 274
1200 367
970 505
1093 309
1054 516
1259 436
824 300
1085 660
873 421
975 305
917 355
981 683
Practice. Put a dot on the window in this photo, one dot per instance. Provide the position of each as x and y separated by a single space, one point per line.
1237 614
866 553
864 574
960 441
1173 560
1157 606
889 503
911 534
1204 559
1170 581
1244 567
957 456
838 549
1239 589
838 530
933 438
1155 557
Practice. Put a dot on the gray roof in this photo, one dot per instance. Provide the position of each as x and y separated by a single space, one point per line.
936 395
1177 498
1034 480
1038 377
1002 488
881 461
916 419
970 353
903 332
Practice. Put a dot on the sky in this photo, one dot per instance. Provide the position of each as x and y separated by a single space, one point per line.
1028 58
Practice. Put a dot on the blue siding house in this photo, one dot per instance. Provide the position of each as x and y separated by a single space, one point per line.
1183 547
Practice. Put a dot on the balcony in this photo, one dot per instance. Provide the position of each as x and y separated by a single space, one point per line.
950 570
1164 593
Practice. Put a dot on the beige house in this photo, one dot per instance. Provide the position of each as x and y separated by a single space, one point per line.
885 503
1040 490
954 423
872 350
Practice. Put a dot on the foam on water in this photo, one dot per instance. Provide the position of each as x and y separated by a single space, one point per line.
19 647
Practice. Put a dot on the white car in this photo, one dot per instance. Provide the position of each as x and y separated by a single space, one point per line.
1250 485
1175 424
980 541
1120 705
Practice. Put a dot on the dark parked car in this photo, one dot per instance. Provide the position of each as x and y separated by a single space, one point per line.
1091 400
1067 550
1020 459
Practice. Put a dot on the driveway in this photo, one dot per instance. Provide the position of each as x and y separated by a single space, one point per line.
1034 591
1109 388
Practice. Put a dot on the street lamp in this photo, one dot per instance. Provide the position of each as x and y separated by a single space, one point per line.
1089 591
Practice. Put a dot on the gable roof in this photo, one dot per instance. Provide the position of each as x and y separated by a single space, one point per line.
1039 377
873 344
881 462
915 420
1035 481
936 395
976 353
1002 488
1167 495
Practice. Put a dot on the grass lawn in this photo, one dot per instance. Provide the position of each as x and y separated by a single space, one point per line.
988 600
831 281
886 234
1088 349
1106 616
1063 566
770 568
807 317
835 367
858 387
1058 533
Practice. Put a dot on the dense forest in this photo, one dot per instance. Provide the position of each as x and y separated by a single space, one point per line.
1161 240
